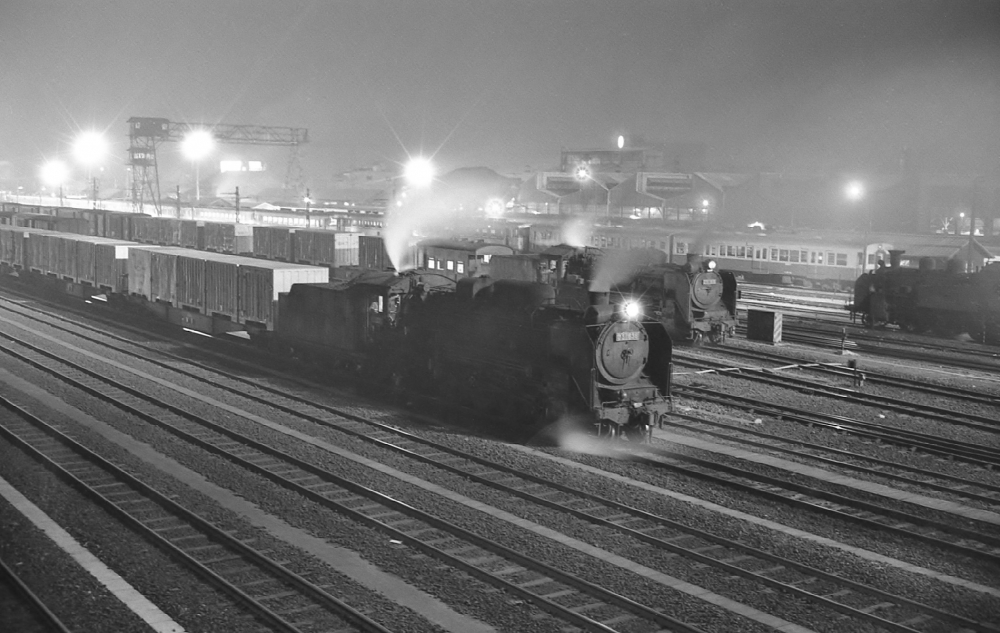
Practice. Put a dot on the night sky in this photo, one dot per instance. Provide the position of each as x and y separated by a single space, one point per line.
804 85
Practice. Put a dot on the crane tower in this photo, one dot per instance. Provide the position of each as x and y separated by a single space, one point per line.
147 133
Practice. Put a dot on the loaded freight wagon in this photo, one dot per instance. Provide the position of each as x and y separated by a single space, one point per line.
222 237
273 242
212 292
320 247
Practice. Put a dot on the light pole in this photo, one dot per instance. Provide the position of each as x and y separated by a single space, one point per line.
854 192
54 174
583 174
308 201
197 144
90 149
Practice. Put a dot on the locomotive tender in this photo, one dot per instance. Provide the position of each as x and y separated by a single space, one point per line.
499 347
946 301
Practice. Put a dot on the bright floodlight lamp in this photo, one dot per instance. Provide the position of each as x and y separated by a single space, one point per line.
621 141
854 191
582 173
89 148
197 144
419 172
54 173
494 207
631 310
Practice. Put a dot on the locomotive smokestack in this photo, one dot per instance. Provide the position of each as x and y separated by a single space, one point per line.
894 258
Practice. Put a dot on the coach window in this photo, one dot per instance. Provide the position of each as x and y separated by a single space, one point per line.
461 268
830 259
783 255
793 256
841 259
450 265
803 256
774 254
430 263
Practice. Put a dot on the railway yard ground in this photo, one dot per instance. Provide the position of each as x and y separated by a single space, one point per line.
148 483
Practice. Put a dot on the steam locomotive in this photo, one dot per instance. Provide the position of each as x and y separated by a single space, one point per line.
692 301
945 301
501 348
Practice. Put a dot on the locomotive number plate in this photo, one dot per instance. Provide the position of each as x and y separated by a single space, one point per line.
626 336
708 282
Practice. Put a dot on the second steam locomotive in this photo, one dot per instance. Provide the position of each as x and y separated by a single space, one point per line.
946 301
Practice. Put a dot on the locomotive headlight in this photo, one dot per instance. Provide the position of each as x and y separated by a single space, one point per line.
631 310
710 264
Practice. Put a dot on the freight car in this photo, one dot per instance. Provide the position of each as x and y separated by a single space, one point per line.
498 347
945 300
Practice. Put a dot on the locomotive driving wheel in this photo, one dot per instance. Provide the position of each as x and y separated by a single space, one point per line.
606 428
638 433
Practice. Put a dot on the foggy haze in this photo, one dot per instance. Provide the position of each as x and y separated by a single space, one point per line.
765 85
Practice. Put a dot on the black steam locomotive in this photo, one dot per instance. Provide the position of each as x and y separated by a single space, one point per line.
501 348
945 301
693 301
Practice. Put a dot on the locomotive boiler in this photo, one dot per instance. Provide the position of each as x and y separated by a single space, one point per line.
500 348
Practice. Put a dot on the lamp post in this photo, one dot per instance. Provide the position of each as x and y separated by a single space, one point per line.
308 201
89 150
54 174
197 144
583 174
855 192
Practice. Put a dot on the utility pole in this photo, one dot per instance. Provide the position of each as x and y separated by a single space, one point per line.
972 222
95 193
308 200
178 202
237 205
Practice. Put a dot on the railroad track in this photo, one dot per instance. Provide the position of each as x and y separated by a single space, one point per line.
21 609
563 595
949 485
970 356
263 587
843 394
972 543
866 375
934 445
866 603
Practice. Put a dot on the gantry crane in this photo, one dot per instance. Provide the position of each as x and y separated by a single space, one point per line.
146 133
